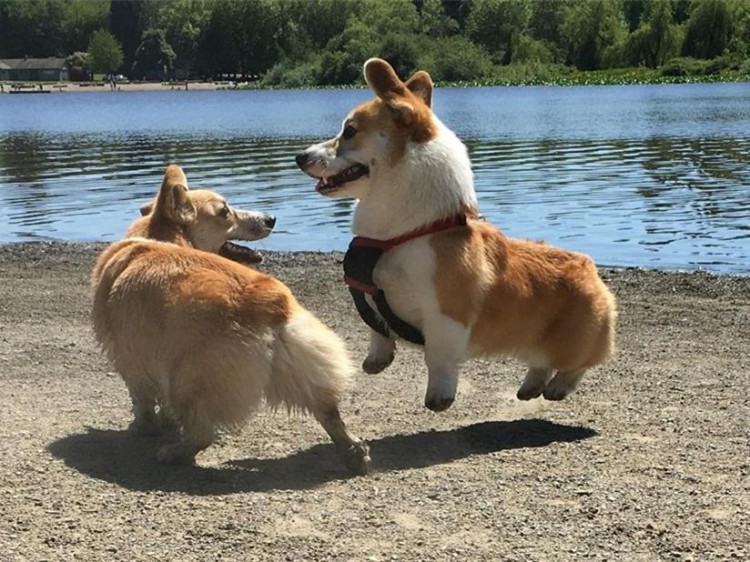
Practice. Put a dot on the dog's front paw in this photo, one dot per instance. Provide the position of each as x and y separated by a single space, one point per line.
438 403
372 365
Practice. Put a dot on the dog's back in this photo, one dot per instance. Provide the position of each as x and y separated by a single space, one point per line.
524 297
168 315
201 340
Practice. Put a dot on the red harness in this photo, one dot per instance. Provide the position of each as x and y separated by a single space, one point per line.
359 263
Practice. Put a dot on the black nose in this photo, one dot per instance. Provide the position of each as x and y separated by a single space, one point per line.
270 221
302 159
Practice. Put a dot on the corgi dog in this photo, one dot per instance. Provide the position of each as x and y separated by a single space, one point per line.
423 267
201 340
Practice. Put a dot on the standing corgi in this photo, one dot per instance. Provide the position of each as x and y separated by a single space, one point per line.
201 340
422 267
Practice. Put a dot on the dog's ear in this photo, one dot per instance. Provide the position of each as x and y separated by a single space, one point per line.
173 201
147 208
382 79
386 84
420 84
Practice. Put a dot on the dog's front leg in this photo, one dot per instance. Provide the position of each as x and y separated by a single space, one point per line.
446 343
380 353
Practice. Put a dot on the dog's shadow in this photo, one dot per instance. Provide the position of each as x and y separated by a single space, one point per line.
129 461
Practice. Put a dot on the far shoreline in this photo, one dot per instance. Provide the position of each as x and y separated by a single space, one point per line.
581 79
104 87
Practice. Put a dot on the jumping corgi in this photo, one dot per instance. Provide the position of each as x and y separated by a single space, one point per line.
423 267
200 340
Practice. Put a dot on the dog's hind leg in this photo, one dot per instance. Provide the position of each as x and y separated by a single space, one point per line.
380 353
534 383
144 415
355 454
197 434
563 384
311 371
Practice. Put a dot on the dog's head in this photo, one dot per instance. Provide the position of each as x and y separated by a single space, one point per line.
375 135
201 219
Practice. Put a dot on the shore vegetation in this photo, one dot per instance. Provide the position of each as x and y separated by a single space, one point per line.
323 43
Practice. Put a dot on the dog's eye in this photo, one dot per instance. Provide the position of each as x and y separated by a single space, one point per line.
224 212
348 132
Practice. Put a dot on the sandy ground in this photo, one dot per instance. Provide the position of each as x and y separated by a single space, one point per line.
648 460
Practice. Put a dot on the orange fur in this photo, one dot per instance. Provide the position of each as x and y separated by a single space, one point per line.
521 295
201 340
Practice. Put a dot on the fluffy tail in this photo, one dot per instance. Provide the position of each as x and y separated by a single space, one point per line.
311 368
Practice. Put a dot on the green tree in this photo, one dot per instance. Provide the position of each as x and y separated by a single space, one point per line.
386 16
434 20
241 38
657 38
183 21
709 29
105 53
497 24
314 24
389 29
32 28
81 18
216 47
740 42
545 25
589 29
258 36
457 10
154 56
633 11
126 22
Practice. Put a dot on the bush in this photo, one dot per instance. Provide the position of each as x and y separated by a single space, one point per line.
530 73
287 74
530 50
684 66
338 68
455 59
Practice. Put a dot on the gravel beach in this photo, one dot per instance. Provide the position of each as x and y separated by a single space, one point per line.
648 460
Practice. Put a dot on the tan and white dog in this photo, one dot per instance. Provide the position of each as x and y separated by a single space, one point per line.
200 340
439 276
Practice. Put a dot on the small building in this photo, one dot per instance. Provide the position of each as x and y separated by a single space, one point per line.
51 69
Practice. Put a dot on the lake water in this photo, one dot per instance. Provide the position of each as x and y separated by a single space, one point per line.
653 176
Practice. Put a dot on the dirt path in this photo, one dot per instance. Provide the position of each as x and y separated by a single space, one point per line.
648 460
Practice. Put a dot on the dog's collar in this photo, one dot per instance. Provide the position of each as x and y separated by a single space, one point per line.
432 228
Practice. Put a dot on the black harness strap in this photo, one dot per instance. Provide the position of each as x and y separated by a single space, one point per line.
359 264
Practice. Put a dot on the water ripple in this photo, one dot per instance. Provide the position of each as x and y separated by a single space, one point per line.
659 195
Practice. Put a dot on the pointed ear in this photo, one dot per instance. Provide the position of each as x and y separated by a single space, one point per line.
420 84
382 79
386 84
173 202
147 208
174 175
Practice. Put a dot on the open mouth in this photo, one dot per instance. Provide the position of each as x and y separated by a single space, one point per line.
331 184
240 254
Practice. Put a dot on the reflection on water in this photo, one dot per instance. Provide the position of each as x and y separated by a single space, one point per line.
654 176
